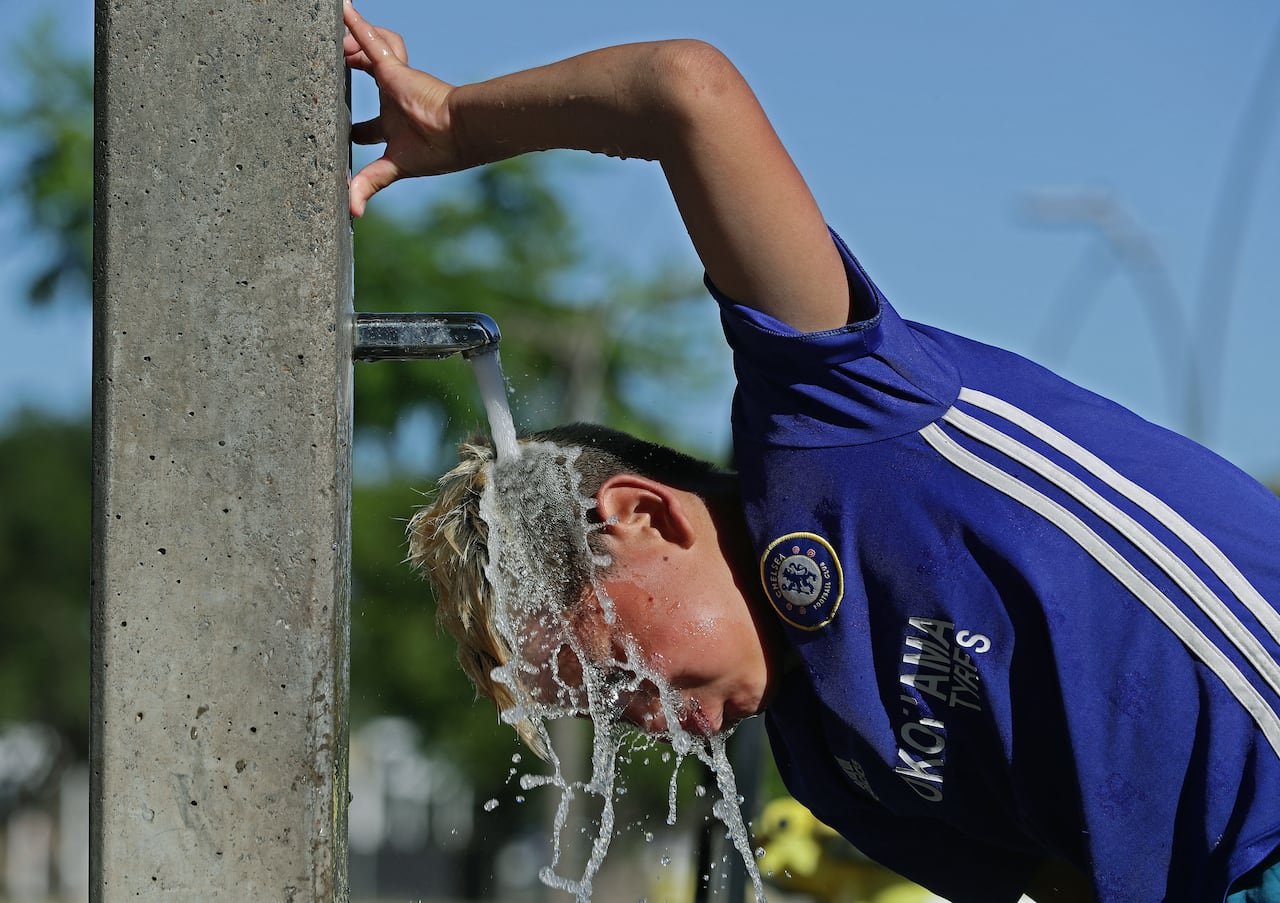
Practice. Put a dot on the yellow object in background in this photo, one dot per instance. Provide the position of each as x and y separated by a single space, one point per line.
803 855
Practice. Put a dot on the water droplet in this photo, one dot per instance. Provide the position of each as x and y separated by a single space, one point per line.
530 781
490 805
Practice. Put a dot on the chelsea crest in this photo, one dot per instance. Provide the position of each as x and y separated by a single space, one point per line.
803 580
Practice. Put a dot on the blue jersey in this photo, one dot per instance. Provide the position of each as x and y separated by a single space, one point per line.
1028 623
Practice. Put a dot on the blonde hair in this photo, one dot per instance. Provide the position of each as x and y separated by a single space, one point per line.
449 541
449 544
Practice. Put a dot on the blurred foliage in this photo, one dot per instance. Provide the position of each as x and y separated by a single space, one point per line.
44 569
44 460
53 116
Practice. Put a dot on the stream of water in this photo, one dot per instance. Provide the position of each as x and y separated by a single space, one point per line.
493 392
533 492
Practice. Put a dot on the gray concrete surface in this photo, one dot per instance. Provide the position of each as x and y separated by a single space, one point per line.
221 452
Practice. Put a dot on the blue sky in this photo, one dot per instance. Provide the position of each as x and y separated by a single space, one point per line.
923 129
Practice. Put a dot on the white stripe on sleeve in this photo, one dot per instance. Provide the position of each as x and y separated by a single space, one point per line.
1204 548
1120 568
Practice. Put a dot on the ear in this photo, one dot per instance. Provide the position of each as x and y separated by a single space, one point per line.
636 507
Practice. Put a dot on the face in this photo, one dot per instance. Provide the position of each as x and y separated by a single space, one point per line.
671 637
681 623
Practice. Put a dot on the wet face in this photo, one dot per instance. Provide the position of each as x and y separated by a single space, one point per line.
673 641
692 640
671 637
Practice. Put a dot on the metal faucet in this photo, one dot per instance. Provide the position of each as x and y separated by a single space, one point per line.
422 336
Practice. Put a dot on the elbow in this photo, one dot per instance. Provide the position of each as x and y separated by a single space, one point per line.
699 83
696 65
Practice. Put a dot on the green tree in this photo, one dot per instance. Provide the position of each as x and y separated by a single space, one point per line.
44 569
53 118
45 460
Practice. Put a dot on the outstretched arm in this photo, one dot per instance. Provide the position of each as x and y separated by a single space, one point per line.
752 219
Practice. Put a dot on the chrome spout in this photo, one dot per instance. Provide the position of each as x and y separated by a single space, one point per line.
422 336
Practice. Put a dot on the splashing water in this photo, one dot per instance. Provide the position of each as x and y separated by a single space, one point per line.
493 391
551 672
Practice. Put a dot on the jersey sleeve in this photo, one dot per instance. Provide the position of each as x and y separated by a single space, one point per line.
869 380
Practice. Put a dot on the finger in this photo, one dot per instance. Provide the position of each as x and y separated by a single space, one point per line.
367 132
356 57
359 61
376 48
351 50
396 43
369 181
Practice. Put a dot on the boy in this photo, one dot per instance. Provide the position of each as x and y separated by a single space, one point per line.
1007 636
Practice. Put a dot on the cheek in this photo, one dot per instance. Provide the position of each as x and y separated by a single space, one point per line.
702 634
557 676
688 662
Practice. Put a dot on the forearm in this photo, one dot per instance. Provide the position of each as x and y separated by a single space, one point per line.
750 215
622 101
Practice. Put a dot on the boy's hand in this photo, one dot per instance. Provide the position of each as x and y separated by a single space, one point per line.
413 119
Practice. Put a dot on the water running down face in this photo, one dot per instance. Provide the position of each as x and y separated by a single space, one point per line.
662 637
663 647
672 591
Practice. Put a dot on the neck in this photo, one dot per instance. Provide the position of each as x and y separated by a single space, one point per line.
725 509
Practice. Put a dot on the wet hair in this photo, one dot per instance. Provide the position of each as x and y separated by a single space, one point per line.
449 538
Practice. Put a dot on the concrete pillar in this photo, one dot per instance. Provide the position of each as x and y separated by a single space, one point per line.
221 452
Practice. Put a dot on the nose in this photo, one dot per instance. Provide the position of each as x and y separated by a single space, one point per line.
694 720
642 708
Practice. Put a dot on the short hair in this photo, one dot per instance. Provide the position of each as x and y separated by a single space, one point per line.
449 538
